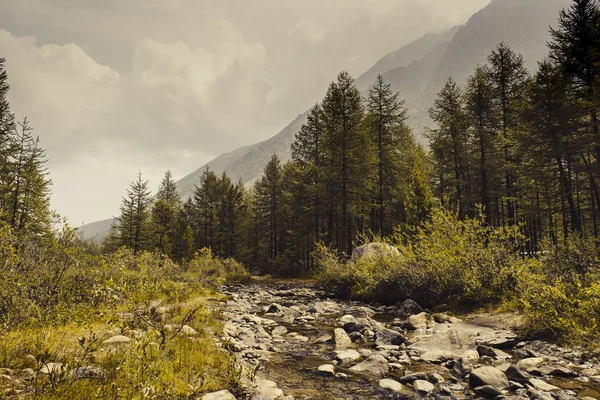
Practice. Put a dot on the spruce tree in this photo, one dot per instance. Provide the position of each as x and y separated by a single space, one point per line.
134 220
167 190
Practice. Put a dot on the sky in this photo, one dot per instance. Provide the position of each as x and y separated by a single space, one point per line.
114 87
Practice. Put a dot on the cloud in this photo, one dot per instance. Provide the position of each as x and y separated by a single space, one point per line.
307 32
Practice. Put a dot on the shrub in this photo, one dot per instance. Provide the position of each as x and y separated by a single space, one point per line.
444 261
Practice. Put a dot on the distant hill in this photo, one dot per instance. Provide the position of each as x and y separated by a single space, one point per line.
418 71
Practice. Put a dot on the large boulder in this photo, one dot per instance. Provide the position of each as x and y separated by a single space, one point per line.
374 250
409 307
491 376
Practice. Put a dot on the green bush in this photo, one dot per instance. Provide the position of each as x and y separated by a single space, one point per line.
560 293
444 261
215 272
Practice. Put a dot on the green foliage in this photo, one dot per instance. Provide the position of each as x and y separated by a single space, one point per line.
215 272
560 294
447 261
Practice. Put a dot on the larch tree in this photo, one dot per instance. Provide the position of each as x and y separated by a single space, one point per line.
386 120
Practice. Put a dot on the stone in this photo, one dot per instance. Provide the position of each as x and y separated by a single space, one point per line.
423 386
462 367
492 352
390 384
279 331
28 374
413 377
220 395
275 309
483 376
88 372
375 366
51 368
543 386
516 375
269 389
418 321
341 339
117 340
348 356
389 337
487 391
531 365
327 369
188 331
409 307
437 356
374 250
357 337
557 370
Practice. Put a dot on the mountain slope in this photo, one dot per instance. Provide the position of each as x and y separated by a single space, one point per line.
417 70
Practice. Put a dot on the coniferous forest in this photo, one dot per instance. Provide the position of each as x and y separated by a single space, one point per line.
497 208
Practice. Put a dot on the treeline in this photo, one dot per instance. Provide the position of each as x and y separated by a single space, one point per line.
520 149
525 149
356 169
24 182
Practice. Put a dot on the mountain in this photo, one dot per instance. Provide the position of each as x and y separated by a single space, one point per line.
418 71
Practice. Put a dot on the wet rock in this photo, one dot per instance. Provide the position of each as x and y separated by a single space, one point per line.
348 356
323 339
375 366
415 322
423 386
389 337
413 377
275 309
409 307
341 339
390 384
484 376
327 369
220 395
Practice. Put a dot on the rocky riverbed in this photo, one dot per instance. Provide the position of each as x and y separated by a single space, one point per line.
294 343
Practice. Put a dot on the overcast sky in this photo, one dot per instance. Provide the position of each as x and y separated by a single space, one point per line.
116 86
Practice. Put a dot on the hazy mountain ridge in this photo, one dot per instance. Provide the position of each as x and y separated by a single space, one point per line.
417 71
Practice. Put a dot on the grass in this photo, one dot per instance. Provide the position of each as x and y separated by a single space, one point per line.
60 304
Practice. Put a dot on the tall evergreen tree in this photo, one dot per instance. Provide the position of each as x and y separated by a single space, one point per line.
349 162
268 207
167 190
134 220
449 144
483 120
386 116
509 76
